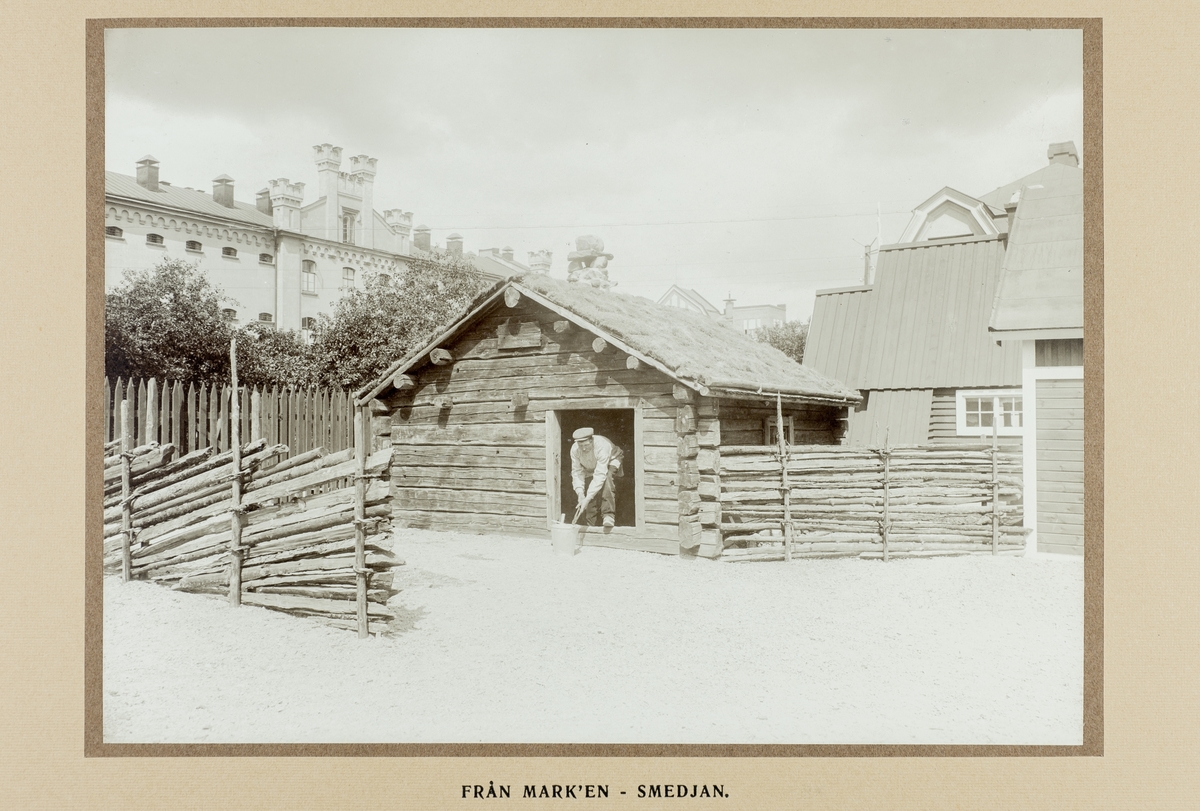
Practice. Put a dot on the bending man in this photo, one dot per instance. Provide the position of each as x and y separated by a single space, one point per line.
595 462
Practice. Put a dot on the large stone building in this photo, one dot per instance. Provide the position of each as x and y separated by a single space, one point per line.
283 261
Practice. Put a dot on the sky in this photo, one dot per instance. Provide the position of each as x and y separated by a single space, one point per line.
745 163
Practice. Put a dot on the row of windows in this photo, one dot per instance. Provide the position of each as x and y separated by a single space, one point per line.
306 323
191 245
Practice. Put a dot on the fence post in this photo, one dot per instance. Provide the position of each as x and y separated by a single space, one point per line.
995 490
126 510
361 426
886 525
783 477
235 508
151 411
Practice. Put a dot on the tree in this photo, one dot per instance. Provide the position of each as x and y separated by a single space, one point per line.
166 322
788 337
389 317
270 356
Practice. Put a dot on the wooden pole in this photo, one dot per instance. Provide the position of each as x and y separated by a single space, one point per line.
995 488
783 476
361 427
886 526
126 509
235 506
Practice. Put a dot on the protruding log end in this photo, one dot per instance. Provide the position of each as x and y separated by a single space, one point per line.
681 393
599 345
512 297
440 357
403 382
562 326
443 401
632 363
520 400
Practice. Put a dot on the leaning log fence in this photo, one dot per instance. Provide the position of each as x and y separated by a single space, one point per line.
831 501
306 533
190 416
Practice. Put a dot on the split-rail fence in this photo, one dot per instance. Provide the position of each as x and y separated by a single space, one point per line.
826 501
307 533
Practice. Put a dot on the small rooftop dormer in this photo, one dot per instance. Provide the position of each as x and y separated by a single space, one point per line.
950 214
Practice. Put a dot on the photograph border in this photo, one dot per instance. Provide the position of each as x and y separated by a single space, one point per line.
1093 560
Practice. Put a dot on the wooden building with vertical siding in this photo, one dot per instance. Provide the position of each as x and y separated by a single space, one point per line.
974 319
480 419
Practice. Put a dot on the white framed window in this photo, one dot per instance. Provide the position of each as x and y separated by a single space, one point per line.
193 246
154 239
266 318
112 231
229 314
771 436
308 277
348 218
307 325
266 259
347 277
230 253
978 412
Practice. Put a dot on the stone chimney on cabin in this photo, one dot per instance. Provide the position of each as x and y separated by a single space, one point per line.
223 190
421 238
1064 152
147 173
539 262
286 199
454 245
262 201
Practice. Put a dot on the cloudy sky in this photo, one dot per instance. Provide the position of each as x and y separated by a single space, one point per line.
748 163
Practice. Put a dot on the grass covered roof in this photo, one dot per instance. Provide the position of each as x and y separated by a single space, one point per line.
694 347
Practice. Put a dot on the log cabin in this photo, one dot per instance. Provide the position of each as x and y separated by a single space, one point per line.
480 419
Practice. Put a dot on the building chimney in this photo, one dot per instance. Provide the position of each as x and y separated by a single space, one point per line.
223 190
329 163
1064 152
147 173
263 201
454 245
421 238
507 253
286 199
539 261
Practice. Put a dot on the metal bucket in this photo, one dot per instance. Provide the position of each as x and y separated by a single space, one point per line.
565 538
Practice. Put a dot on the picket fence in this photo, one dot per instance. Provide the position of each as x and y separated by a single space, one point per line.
192 416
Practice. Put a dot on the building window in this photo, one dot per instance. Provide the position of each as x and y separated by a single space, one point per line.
230 315
193 245
308 322
385 278
266 259
981 412
308 277
229 252
112 231
771 436
1059 352
154 239
347 277
266 318
348 218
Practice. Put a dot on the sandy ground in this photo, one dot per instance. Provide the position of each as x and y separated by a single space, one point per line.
499 640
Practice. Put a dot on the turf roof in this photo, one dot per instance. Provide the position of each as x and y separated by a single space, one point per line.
692 346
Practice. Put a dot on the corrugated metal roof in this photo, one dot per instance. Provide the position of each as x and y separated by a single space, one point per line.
894 417
1041 285
119 185
924 324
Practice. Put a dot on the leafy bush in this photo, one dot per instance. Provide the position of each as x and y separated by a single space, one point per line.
789 338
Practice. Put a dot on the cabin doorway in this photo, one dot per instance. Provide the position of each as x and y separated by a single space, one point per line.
616 425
